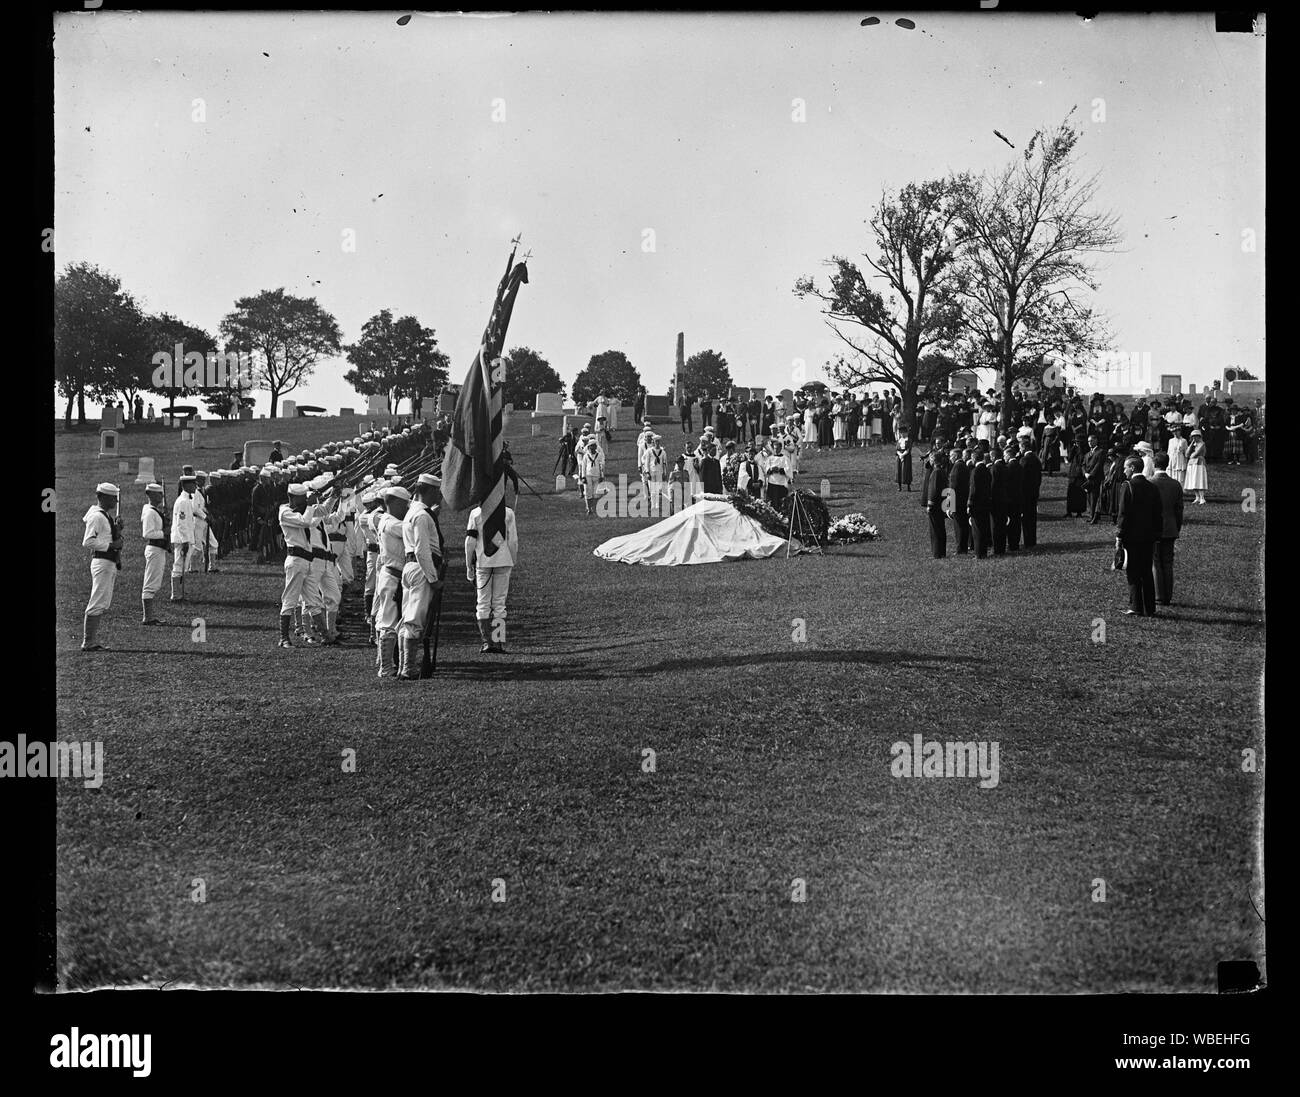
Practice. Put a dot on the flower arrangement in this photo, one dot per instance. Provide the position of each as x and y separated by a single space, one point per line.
853 527
813 520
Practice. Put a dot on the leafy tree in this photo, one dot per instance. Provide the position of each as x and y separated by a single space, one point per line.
1027 232
226 402
396 359
285 336
609 372
914 241
527 374
162 333
705 374
97 337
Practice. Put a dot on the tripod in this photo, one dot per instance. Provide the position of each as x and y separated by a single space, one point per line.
798 510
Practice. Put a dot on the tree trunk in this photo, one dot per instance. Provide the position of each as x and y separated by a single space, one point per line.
81 408
275 402
67 415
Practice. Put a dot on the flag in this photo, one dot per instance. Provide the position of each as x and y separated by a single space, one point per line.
472 473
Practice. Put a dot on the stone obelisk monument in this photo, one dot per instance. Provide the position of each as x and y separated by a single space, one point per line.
681 361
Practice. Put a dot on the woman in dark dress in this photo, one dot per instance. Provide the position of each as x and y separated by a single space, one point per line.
1076 495
825 425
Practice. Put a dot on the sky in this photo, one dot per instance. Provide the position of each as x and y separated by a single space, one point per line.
438 141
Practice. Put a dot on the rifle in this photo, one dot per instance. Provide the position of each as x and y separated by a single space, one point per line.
434 619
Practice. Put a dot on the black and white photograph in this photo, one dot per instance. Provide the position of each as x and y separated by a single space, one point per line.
686 503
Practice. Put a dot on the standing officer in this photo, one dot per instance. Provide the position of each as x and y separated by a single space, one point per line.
1031 484
182 534
979 506
390 557
422 575
998 501
104 539
153 530
959 482
1015 497
936 482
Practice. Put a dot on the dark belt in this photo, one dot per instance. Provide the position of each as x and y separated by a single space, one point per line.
411 558
338 537
372 548
321 554
393 570
302 554
159 542
109 555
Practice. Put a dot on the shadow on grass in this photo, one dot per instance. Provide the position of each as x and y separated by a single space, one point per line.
1048 547
807 655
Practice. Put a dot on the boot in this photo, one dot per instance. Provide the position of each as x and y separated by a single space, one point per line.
320 629
484 627
149 618
297 620
286 623
91 629
178 583
411 659
400 651
498 629
387 656
331 617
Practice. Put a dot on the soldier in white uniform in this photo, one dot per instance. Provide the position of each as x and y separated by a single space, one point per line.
103 538
297 520
390 559
325 566
491 573
157 546
182 535
591 470
422 575
200 554
654 467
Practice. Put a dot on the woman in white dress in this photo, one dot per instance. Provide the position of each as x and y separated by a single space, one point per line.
809 424
864 421
877 420
840 421
1195 478
1177 456
984 429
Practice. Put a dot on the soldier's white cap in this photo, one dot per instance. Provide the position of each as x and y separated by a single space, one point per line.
266 472
200 473
106 489
428 479
586 428
369 478
1025 432
297 489
187 477
396 492
153 487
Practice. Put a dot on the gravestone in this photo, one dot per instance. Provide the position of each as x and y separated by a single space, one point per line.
108 443
560 483
537 430
1246 390
257 452
365 426
549 403
110 419
825 489
187 435
124 466
145 475
377 404
740 394
787 400
345 411
1191 390
246 413
446 402
658 407
757 394
288 409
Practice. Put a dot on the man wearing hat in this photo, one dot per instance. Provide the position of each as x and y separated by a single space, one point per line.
1031 486
324 564
276 455
1015 496
198 556
182 534
654 466
103 538
591 470
489 569
422 575
297 520
979 504
153 531
390 558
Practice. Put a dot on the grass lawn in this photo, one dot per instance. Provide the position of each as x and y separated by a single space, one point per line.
1119 760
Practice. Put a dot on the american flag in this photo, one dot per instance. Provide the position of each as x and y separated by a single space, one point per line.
472 472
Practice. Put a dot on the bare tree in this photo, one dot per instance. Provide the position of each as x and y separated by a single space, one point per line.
1028 233
897 336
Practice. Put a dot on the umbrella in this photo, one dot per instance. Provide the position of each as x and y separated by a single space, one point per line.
813 386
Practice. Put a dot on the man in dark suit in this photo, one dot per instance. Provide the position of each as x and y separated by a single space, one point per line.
936 483
998 501
1094 472
1031 484
1171 504
979 504
1014 501
1140 522
959 481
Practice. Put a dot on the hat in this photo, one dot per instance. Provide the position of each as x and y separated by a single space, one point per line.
297 489
187 469
107 489
188 478
151 487
396 492
427 479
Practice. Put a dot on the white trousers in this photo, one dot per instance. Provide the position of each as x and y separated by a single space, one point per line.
103 573
180 552
493 586
194 562
328 579
372 563
417 599
299 586
155 567
387 617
